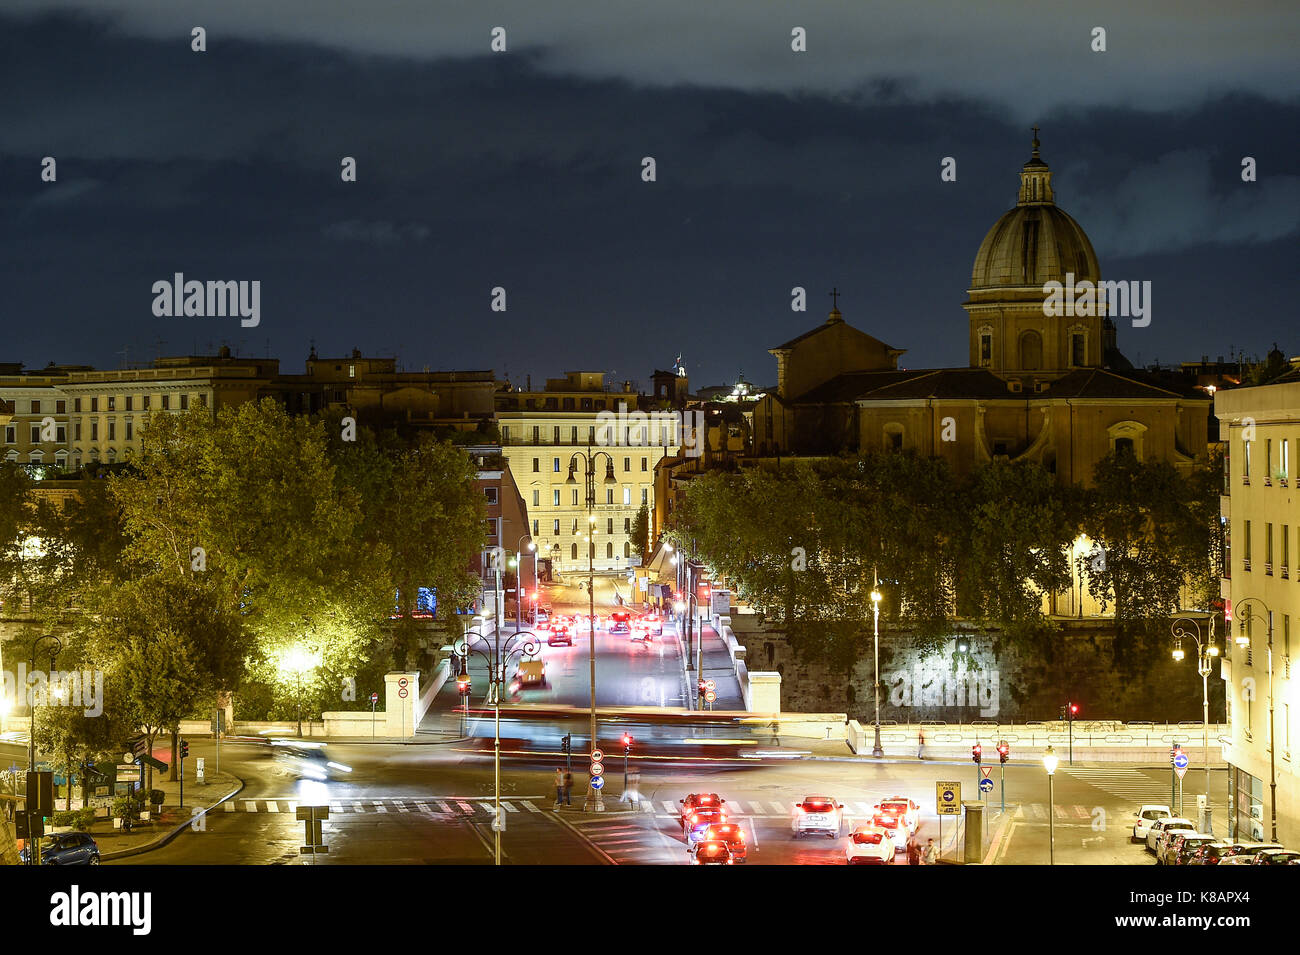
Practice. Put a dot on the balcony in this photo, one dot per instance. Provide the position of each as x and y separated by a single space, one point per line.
1268 569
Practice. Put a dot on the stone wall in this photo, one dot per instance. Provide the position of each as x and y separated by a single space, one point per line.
985 684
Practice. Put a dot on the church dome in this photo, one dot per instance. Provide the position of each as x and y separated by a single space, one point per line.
1034 243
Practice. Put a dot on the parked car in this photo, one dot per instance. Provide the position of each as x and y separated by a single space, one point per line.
1145 816
869 845
1276 857
1171 848
1160 827
66 848
1187 846
1243 853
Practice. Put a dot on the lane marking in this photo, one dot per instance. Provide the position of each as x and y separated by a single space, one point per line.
230 806
531 808
509 808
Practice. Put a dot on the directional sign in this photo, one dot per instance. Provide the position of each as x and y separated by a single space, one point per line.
597 756
598 782
986 770
986 785
1180 764
128 769
597 769
948 798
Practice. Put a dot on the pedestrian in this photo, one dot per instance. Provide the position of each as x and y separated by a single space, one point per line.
913 850
568 787
931 854
559 787
920 744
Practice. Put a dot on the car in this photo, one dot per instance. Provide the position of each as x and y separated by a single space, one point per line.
817 814
620 621
307 760
652 622
1183 845
1276 857
530 672
66 848
894 827
582 621
697 807
730 833
1145 816
870 845
1243 853
1209 853
1173 842
715 852
558 633
908 812
543 615
1160 827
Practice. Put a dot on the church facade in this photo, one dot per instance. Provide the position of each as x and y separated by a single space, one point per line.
1052 389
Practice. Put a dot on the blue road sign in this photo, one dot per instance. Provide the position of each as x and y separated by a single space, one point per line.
1180 761
598 782
986 785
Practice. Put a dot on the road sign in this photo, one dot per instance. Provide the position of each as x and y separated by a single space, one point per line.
948 798
1180 761
598 782
986 770
597 756
710 685
403 681
401 692
374 697
128 769
986 785
710 696
597 769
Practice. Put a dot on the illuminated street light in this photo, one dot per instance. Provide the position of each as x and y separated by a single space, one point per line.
298 660
1049 763
877 750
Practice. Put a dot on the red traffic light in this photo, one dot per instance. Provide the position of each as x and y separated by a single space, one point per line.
627 739
977 752
1074 708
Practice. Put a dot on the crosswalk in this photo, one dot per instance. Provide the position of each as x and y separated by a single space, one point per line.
430 805
628 842
753 808
1124 782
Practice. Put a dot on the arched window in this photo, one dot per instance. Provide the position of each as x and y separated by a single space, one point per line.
627 549
1031 351
609 550
574 555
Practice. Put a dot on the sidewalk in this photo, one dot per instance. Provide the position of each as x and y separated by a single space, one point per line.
719 669
170 822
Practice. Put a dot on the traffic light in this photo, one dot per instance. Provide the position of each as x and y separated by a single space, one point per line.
566 744
1063 716
1004 752
185 749
977 753
627 744
1074 708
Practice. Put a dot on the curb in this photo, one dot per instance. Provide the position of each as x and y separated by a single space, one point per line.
167 837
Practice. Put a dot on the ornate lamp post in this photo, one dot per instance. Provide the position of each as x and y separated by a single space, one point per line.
31 668
1050 760
594 801
1206 653
1243 640
519 577
876 750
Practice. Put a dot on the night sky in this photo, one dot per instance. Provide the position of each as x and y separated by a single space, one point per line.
522 169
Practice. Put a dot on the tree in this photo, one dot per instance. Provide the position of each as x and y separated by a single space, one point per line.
640 532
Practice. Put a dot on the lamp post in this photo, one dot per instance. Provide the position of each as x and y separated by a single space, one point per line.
519 577
31 668
1205 654
297 661
876 750
594 801
1243 640
497 657
1049 764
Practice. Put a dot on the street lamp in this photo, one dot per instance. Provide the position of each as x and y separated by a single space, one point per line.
298 661
1049 763
497 656
1205 654
519 577
1243 640
876 750
594 801
31 668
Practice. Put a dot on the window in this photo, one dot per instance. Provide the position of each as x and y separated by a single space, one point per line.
1268 461
537 435
568 404
534 527
575 497
627 464
575 526
537 465
144 403
352 371
1284 461
112 431
627 525
76 431
1286 549
36 434
112 403
76 405
645 464
94 405
556 528
556 466
11 434
1268 548
627 549
1286 645
609 525
61 407
537 500
556 501
609 551
185 402
128 403
556 432
94 431
491 494
627 495
130 431
36 406
645 495
1123 446
505 434
573 432
573 552
609 495
1245 557
1078 355
591 432
203 398
166 403
1245 462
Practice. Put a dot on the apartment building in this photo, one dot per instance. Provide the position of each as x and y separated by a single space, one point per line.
544 432
1260 508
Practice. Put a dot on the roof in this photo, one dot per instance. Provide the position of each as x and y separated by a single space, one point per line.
831 324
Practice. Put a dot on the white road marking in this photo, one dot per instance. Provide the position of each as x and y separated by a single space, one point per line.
758 807
230 806
380 807
531 808
509 808
423 807
488 807
669 807
443 807
466 807
777 807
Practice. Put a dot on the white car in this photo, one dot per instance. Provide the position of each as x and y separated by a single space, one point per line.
1145 816
818 814
869 845
905 810
1156 833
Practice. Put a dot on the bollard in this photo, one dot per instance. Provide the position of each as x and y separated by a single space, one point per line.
974 840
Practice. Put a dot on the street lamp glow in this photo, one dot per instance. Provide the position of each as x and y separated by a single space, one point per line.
679 606
1050 759
875 596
